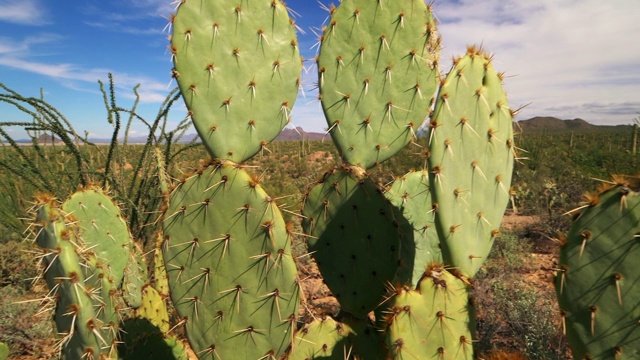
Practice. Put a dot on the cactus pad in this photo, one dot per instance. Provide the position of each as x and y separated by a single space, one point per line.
356 237
471 162
103 228
377 73
597 286
238 66
325 338
231 272
431 322
144 341
410 193
86 314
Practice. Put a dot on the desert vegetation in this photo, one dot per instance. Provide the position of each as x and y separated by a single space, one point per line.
511 287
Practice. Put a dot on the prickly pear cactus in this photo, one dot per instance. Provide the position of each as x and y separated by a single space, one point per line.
231 272
237 64
86 313
159 274
356 237
377 73
433 320
227 251
103 228
410 193
597 285
471 162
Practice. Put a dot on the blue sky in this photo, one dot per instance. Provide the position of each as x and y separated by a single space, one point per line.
568 58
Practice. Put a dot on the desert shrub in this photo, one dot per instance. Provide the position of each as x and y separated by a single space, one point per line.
513 314
17 267
23 327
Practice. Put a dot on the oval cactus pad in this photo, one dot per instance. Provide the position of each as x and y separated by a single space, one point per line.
355 237
228 259
597 285
471 162
377 74
238 66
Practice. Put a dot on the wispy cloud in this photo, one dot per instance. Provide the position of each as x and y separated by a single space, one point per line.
142 17
571 58
131 30
19 55
25 12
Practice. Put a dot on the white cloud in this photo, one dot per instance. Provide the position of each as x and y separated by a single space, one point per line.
18 54
568 55
26 12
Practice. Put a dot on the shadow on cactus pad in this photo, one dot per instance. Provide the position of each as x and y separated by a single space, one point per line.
143 340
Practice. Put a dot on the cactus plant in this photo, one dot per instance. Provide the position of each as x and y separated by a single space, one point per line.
86 313
355 236
227 250
598 274
471 162
147 334
85 242
229 263
377 72
325 338
225 256
410 193
372 111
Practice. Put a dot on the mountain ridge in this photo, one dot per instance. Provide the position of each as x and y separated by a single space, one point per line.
535 124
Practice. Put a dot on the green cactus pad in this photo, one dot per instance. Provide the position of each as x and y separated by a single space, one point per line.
135 277
410 193
471 162
356 237
85 316
377 72
435 321
143 340
160 281
597 286
238 66
154 309
4 351
103 228
325 338
230 268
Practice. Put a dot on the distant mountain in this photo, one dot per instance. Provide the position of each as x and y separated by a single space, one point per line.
45 139
552 124
285 135
298 134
